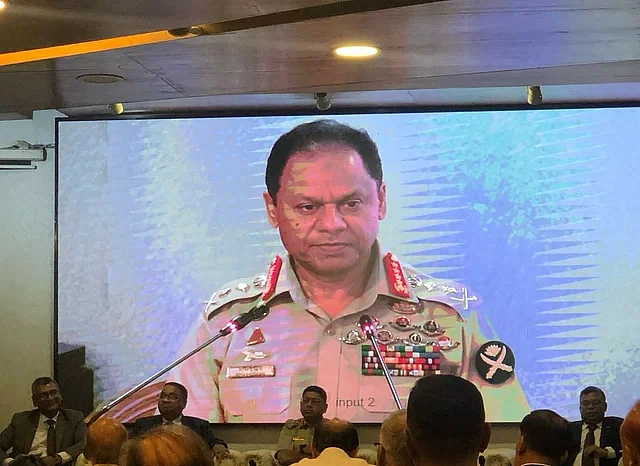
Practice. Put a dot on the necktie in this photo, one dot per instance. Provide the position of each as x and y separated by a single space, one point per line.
51 438
590 439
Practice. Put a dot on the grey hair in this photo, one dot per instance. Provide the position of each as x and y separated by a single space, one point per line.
393 439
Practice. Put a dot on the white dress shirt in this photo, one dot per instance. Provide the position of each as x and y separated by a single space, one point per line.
177 421
611 453
39 444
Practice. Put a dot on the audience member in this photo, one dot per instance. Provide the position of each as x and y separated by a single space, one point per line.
630 437
335 443
54 434
170 445
392 448
105 438
296 436
446 422
596 438
171 402
544 439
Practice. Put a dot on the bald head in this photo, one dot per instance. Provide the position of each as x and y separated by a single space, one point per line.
392 450
630 436
336 433
104 441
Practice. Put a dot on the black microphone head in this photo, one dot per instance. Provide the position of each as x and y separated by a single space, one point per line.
366 324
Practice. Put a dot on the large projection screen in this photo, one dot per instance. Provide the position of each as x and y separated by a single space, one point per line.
535 211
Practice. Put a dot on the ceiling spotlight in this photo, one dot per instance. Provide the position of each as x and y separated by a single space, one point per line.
534 95
323 102
3 5
100 78
116 109
357 51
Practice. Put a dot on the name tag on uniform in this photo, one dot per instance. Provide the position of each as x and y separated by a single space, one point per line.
245 372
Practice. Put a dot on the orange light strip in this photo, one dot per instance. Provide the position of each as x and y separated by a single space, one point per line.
81 48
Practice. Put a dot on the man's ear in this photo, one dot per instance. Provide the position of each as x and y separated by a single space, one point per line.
382 199
521 448
353 453
314 452
271 209
486 436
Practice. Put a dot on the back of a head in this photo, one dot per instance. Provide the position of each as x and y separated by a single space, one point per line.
630 436
546 434
167 446
445 420
105 438
338 434
393 449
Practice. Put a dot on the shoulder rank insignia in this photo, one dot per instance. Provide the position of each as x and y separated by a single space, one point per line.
495 362
398 284
272 278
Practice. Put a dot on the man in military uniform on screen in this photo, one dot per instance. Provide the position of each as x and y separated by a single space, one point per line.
326 196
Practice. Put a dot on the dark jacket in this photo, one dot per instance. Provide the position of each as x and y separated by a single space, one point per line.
609 437
199 426
18 436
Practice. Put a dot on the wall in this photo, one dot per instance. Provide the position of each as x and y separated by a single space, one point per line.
26 266
26 287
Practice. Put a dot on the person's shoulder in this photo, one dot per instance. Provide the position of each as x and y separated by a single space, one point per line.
294 423
194 420
614 421
146 420
72 414
25 415
245 291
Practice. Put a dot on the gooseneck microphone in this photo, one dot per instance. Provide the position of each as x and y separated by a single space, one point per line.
369 327
236 323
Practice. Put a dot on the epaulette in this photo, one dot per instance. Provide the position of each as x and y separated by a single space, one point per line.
449 292
293 423
262 286
240 291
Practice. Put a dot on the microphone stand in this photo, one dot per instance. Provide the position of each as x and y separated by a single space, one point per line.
368 328
237 323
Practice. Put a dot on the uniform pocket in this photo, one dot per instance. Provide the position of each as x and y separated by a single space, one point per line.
254 397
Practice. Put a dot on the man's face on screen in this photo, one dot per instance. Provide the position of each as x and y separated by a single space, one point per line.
327 210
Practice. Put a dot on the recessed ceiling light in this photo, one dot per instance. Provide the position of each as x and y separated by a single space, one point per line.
99 78
3 5
357 51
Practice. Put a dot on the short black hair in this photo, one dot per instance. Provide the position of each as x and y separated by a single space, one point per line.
181 388
445 418
336 433
546 433
40 381
315 389
592 389
320 133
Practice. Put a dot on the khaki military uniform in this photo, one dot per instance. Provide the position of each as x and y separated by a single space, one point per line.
295 433
258 373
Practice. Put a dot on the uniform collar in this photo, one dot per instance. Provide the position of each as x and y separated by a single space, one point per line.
377 284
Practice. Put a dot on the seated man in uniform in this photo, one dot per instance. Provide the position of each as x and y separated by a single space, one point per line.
326 196
297 434
630 436
544 439
50 432
446 422
171 402
392 448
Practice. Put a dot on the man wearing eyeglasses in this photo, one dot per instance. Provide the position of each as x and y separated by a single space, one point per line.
50 432
171 402
296 436
596 438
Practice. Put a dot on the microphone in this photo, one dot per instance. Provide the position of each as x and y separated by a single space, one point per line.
368 328
242 320
238 322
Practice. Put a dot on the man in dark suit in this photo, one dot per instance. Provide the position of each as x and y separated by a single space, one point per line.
54 434
171 402
544 439
596 439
